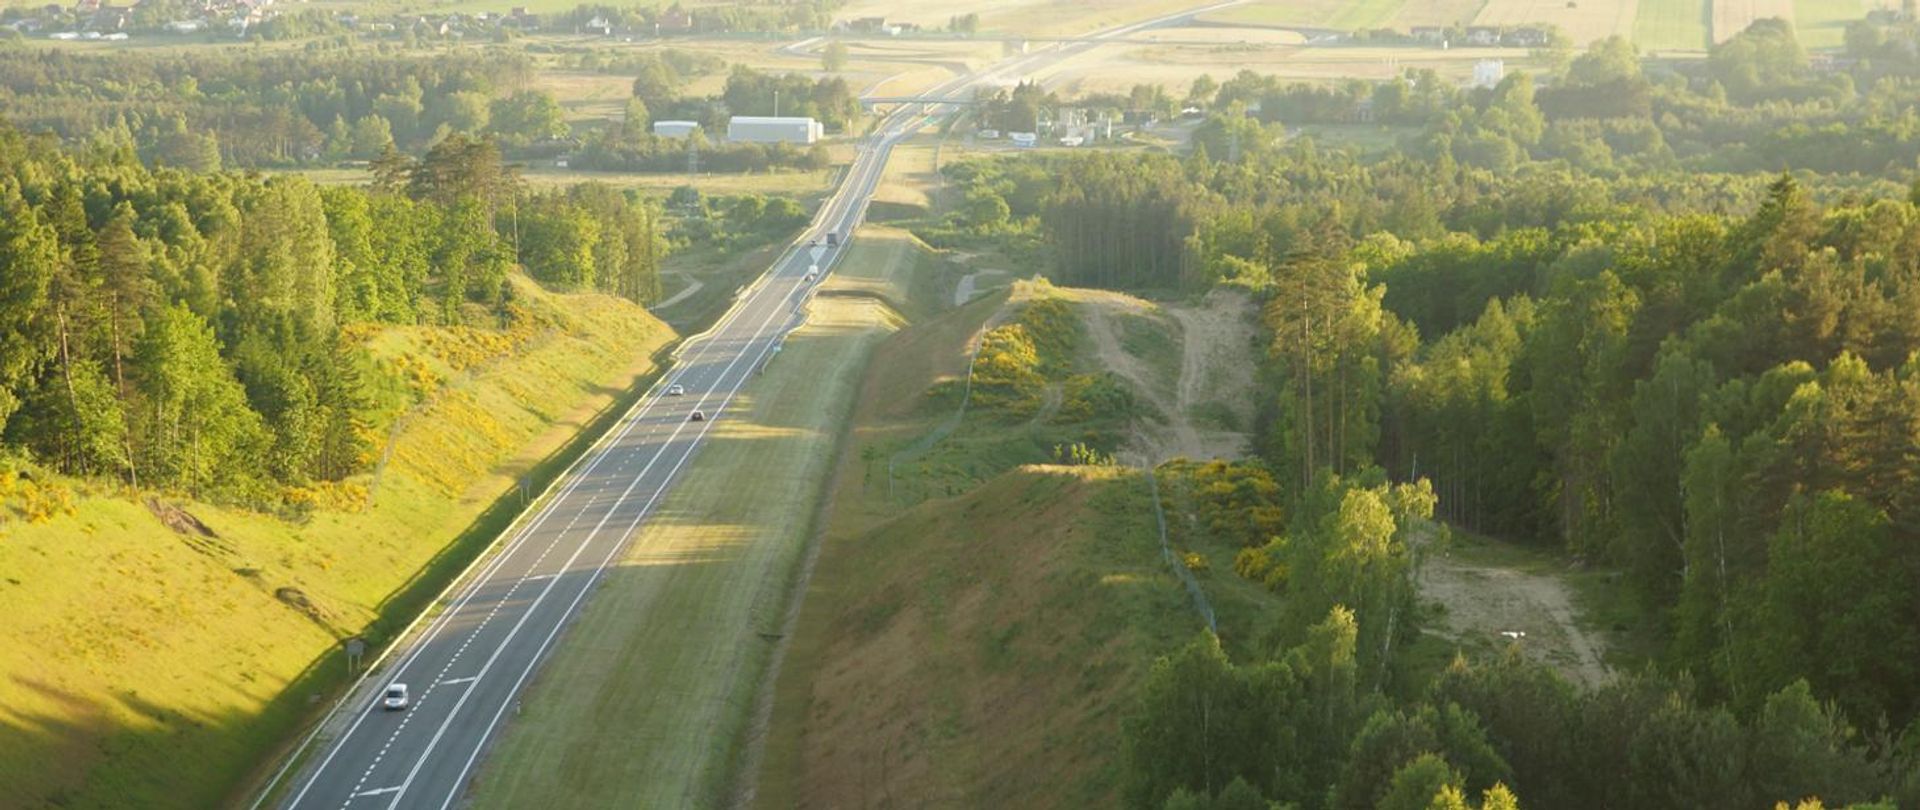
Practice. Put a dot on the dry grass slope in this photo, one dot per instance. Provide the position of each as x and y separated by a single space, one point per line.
977 651
128 643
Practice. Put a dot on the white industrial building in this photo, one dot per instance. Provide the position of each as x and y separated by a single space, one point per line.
766 129
675 129
1487 73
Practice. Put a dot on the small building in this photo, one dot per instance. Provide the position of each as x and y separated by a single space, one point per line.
673 20
1487 73
1428 33
768 129
675 129
1483 35
1527 38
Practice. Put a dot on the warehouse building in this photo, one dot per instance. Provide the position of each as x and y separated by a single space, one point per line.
674 129
764 129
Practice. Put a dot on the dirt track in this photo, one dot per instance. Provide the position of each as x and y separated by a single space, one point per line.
1482 602
1215 337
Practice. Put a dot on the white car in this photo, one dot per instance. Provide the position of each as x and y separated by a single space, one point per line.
813 272
676 390
395 698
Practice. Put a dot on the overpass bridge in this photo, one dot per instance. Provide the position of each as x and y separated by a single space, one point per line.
869 101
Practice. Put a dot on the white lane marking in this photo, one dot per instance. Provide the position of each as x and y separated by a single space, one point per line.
565 616
452 681
533 662
533 608
376 792
871 180
486 573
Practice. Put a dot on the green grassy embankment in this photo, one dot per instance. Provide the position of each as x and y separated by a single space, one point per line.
149 666
979 648
644 703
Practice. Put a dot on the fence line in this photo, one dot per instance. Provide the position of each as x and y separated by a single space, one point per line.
1200 603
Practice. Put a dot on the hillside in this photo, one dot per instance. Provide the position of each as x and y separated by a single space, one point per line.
980 650
978 621
139 629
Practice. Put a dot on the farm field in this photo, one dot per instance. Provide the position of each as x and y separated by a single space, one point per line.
1117 69
1583 22
1037 17
1342 15
1435 12
1673 25
1823 23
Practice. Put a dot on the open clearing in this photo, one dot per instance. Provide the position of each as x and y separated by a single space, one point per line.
643 704
131 643
1185 359
1487 589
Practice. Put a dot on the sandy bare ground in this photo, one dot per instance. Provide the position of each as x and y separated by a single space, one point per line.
1216 365
1482 602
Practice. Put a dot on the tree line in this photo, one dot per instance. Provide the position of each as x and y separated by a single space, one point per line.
1602 334
196 332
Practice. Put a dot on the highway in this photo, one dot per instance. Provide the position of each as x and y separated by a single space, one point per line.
465 668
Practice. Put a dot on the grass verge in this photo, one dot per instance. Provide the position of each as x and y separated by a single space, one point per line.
644 703
137 642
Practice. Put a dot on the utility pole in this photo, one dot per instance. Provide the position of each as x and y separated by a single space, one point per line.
776 103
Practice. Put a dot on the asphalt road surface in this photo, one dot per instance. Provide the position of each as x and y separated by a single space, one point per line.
464 670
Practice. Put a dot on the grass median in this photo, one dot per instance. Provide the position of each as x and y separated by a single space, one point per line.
644 702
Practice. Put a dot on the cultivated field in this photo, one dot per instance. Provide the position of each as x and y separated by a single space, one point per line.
137 633
1583 21
1823 23
1339 15
1116 69
1673 25
1437 12
643 704
1036 17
